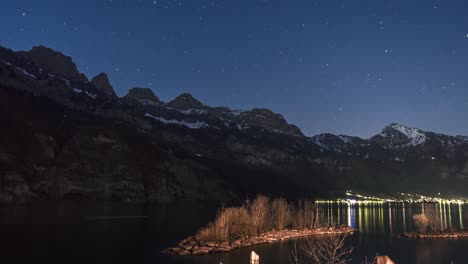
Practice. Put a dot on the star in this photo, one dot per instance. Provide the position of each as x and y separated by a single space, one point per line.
24 14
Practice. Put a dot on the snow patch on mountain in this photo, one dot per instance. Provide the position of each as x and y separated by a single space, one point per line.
147 102
194 112
196 125
235 112
6 62
338 143
242 126
345 139
26 73
415 136
67 82
317 140
78 91
92 95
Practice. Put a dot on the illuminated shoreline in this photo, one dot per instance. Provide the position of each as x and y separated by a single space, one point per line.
408 198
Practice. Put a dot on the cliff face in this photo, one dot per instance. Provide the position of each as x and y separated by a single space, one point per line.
63 137
102 83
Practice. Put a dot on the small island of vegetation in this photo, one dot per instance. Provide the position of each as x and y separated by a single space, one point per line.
426 225
262 220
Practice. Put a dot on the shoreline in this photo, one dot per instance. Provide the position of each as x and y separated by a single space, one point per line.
436 235
192 246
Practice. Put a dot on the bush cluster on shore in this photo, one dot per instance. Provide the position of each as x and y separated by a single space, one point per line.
256 217
421 221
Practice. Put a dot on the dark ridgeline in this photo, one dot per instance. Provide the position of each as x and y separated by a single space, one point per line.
64 137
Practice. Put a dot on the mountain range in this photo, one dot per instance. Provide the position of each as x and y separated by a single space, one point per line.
64 136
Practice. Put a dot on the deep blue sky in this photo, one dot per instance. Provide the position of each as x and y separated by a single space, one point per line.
345 67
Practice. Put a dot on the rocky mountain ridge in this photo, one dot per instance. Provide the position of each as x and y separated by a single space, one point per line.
70 138
397 140
183 110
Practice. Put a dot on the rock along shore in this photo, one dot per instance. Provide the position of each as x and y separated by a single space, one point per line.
437 235
192 246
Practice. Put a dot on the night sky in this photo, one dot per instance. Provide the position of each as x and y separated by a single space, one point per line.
345 67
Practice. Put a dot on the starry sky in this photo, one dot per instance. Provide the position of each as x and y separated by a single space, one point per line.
344 67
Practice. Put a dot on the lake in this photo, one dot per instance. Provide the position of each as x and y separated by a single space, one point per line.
127 233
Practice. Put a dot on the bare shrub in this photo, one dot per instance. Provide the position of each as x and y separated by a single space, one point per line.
298 219
310 214
239 222
230 223
257 217
421 221
217 230
325 249
430 212
259 213
320 217
368 260
304 215
281 214
295 257
210 233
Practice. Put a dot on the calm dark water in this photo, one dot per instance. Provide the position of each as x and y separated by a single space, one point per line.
82 233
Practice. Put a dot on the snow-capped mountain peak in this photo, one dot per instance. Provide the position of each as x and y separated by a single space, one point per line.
415 136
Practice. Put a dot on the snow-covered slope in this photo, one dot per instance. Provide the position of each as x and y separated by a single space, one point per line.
341 143
414 135
396 142
400 136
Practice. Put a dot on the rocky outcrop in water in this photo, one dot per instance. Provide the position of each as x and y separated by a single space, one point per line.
192 246
436 235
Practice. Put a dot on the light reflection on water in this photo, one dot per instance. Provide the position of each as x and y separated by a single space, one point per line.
378 225
392 217
63 233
